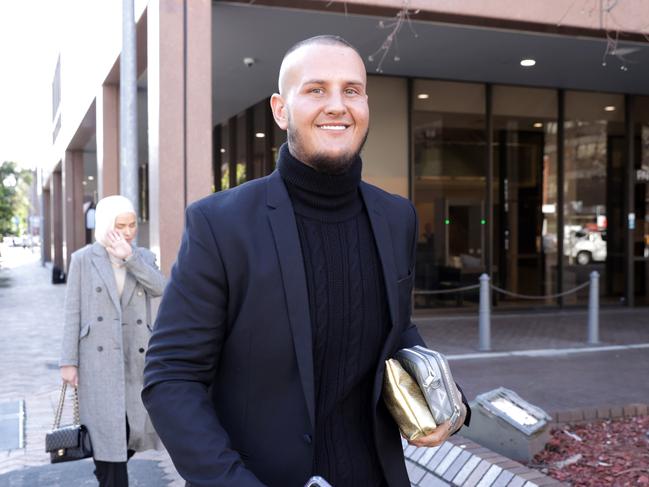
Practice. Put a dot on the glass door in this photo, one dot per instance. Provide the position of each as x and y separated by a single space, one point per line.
641 206
449 189
525 190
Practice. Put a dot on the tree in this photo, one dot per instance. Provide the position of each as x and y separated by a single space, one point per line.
14 202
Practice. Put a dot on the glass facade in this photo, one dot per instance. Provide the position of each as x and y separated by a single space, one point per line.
525 190
535 187
640 239
250 142
448 128
594 173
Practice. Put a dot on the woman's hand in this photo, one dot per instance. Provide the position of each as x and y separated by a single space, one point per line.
117 246
69 375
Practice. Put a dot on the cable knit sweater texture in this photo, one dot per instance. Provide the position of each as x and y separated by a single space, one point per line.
349 316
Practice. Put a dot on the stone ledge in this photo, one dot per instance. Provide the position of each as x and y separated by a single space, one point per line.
579 415
462 462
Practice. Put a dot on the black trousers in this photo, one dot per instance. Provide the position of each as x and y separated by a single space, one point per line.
114 474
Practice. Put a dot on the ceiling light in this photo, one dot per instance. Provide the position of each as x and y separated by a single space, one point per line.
222 150
609 108
90 178
528 62
260 135
84 182
423 96
537 125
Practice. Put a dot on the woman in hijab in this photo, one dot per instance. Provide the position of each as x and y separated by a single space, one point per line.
106 332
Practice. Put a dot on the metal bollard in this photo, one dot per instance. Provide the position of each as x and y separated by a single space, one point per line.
485 314
593 309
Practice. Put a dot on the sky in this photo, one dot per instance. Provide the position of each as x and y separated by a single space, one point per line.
33 33
29 45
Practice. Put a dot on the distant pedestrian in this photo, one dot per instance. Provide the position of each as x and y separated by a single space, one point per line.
106 332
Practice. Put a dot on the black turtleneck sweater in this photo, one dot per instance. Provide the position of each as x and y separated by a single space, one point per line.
349 317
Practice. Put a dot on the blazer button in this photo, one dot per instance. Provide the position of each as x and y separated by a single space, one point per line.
139 322
98 289
141 350
100 348
100 318
307 439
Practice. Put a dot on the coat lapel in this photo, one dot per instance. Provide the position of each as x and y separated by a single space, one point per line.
384 245
102 263
289 253
129 287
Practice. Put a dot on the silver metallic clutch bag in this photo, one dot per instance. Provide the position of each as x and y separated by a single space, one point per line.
431 371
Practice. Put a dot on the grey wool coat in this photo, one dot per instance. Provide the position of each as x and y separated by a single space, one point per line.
106 338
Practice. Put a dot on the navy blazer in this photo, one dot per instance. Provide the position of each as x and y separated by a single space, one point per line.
229 369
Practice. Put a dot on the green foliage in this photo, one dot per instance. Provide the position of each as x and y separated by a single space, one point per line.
14 199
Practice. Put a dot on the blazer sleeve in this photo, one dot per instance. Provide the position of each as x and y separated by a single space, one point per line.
143 266
181 361
71 315
410 336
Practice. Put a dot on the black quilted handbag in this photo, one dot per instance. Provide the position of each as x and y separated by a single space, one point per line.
71 442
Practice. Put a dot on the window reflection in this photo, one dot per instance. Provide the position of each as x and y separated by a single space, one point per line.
449 187
641 198
525 189
594 170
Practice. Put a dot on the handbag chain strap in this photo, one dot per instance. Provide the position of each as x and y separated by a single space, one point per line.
59 409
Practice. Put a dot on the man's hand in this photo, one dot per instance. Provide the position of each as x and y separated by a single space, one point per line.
69 375
443 431
117 246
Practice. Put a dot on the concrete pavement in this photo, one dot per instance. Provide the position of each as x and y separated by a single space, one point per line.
542 356
31 312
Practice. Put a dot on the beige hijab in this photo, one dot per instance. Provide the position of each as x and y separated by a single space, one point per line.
105 214
107 210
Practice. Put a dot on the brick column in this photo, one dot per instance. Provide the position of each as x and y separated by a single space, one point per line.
179 54
46 221
56 219
72 191
107 110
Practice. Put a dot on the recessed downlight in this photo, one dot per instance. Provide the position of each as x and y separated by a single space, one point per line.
222 150
528 62
423 96
90 178
537 125
609 108
260 135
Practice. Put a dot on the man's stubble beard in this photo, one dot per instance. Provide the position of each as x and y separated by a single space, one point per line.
322 162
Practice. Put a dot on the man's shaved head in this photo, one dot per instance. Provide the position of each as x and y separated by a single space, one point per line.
322 103
323 40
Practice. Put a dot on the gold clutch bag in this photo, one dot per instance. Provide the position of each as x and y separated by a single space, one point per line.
406 403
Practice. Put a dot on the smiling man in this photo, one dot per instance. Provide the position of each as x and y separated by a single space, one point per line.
289 292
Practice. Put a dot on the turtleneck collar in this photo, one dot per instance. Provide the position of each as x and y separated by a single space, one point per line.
325 197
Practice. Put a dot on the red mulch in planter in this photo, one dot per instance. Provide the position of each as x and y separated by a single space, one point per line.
610 453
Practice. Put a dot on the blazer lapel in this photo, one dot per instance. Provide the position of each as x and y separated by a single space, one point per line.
383 241
102 263
289 253
384 244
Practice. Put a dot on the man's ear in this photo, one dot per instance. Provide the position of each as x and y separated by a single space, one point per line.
280 113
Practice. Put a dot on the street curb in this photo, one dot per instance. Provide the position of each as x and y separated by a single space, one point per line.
579 415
